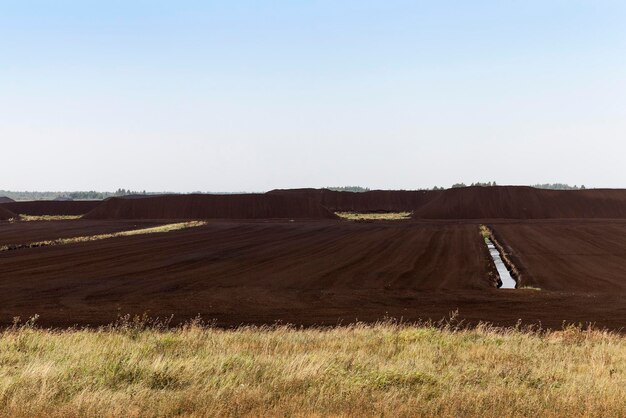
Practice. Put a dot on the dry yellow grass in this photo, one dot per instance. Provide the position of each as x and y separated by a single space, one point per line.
381 370
33 218
392 216
485 232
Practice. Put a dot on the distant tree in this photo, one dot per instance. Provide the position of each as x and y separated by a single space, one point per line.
556 186
357 189
75 195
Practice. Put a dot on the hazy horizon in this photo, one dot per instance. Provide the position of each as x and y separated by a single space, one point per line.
62 192
251 96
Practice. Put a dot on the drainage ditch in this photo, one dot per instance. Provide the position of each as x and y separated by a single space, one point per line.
506 280
508 276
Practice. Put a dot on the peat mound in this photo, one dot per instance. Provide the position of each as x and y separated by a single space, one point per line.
6 214
522 202
371 201
52 207
200 206
4 199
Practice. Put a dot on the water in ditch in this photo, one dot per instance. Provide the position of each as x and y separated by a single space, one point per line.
507 281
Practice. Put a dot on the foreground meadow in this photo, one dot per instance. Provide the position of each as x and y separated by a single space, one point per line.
388 369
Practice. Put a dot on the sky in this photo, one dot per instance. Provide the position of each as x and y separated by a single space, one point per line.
254 95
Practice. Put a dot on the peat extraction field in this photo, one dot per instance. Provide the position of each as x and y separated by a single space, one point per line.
313 209
266 259
568 255
248 272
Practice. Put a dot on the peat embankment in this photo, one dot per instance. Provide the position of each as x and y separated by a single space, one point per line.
200 206
371 201
521 202
6 214
52 207
4 199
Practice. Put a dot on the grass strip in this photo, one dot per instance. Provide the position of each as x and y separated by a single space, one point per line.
391 216
36 218
89 238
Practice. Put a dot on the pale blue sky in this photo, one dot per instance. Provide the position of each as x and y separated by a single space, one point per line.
253 95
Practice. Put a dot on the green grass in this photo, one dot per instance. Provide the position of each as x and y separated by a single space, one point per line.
392 216
380 370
